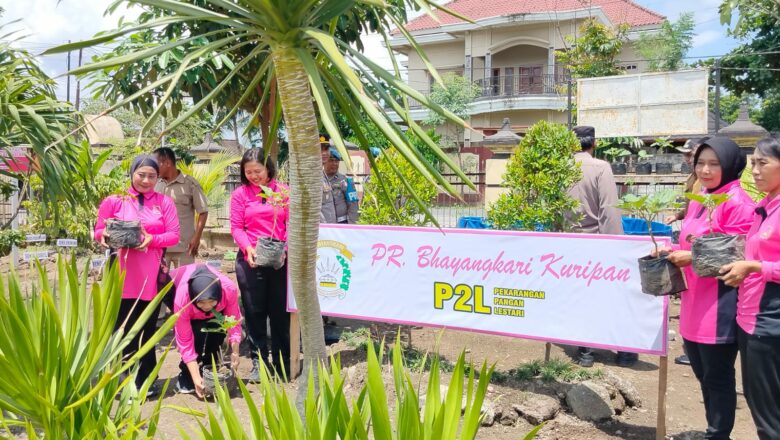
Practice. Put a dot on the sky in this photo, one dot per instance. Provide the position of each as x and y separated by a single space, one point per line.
46 23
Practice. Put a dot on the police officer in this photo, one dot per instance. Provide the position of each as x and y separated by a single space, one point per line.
339 198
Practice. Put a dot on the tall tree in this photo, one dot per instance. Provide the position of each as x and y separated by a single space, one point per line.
752 68
666 48
594 53
31 114
455 94
292 44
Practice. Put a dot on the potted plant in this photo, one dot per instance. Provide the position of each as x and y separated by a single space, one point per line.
644 166
657 274
661 144
122 233
614 153
714 250
220 371
269 251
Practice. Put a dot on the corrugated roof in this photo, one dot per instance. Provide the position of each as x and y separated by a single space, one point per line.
618 11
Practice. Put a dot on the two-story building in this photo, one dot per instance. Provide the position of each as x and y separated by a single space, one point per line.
509 51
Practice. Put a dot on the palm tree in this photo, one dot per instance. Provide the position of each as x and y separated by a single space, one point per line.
290 46
31 114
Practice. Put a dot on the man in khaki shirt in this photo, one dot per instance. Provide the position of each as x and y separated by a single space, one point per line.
189 198
597 193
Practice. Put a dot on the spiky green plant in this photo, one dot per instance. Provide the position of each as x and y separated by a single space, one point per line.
61 359
329 414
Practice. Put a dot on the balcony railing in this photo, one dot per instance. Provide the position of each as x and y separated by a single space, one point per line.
514 86
521 85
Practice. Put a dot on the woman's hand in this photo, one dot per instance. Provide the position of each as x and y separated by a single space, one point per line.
103 238
235 360
147 239
680 258
661 250
200 390
670 219
249 253
733 274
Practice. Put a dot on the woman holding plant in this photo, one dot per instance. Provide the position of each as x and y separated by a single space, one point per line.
708 308
258 213
758 308
141 255
207 303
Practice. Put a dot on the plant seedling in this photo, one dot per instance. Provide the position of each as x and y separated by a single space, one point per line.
662 143
647 207
710 202
224 323
615 152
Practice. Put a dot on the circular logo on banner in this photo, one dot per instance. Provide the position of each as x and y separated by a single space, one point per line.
333 268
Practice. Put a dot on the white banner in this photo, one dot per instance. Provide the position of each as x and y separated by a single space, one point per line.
575 289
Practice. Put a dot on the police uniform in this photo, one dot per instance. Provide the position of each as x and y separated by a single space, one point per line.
335 207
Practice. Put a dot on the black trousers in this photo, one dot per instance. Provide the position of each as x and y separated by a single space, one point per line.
264 297
713 365
207 345
129 315
760 360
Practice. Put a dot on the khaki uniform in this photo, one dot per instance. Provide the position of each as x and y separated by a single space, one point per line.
692 185
597 194
189 198
335 207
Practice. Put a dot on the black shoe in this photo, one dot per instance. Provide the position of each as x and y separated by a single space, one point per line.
153 391
254 375
682 360
332 334
585 360
184 384
624 359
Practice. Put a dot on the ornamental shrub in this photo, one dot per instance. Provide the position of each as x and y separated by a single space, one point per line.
537 177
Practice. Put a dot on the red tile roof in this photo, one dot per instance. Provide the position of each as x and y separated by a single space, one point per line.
618 11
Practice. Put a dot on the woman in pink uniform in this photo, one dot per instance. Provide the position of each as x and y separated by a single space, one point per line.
758 308
200 291
709 307
263 289
160 227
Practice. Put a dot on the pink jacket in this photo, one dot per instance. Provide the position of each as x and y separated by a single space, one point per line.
159 219
708 309
228 306
251 217
758 309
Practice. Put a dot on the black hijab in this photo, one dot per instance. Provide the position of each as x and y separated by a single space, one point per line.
732 159
143 160
204 285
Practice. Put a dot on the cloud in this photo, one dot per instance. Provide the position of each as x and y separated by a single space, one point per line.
706 37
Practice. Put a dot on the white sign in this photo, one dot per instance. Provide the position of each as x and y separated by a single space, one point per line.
214 263
40 255
98 263
648 104
574 289
35 238
67 242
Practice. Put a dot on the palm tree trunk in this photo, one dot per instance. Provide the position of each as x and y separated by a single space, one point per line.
305 205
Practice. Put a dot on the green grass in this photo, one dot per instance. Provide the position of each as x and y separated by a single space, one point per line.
413 358
553 370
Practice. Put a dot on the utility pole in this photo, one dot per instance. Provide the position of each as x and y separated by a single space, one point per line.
717 95
67 83
569 87
78 83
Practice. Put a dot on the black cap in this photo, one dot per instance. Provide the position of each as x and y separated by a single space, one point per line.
584 131
204 285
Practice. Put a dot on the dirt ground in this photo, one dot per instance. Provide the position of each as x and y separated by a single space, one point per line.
685 411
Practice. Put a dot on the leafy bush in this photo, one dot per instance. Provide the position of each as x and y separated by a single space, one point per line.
329 414
8 239
538 176
92 185
396 207
61 359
